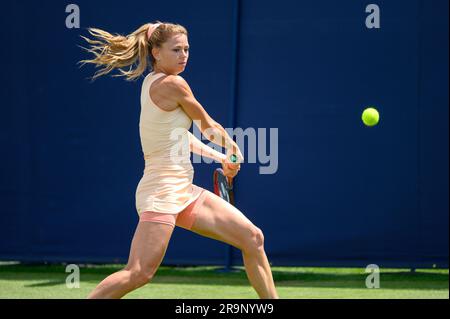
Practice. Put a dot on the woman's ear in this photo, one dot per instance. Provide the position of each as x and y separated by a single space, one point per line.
155 53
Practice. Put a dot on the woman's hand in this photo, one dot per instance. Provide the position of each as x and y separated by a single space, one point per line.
230 170
234 150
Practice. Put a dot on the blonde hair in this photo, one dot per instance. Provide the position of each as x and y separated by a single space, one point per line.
133 51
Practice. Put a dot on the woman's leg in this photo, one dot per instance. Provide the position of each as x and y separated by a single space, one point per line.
148 248
217 219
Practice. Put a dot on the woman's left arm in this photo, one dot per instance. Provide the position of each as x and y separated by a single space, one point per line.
200 148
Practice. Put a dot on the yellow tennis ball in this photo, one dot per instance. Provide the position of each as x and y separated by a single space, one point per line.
370 116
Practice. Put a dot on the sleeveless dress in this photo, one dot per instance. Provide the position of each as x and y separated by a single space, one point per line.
166 185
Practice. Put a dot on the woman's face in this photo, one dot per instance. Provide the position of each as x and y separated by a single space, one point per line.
173 55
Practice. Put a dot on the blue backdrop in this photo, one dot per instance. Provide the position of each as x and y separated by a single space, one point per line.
342 194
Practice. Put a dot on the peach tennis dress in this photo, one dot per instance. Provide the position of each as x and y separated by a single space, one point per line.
166 185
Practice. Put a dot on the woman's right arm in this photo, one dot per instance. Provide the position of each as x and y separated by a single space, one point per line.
212 130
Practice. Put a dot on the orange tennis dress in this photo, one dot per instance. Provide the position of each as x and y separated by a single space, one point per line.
167 182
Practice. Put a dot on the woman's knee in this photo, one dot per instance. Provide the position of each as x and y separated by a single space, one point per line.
254 242
140 277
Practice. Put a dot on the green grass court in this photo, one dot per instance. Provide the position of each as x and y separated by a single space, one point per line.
49 282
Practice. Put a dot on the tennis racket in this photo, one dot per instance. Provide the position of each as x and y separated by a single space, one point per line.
223 185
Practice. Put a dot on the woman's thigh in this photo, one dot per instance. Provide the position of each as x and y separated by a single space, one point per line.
218 219
149 246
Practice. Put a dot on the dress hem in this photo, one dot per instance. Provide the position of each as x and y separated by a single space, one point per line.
197 191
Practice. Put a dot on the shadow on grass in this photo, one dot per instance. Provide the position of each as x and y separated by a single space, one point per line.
54 275
50 283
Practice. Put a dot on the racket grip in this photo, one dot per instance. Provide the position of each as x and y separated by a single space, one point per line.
233 159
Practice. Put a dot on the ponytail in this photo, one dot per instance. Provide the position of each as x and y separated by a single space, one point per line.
133 51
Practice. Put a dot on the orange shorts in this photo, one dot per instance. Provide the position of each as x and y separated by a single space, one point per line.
184 219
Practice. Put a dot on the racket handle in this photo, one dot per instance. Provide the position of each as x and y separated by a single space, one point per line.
233 159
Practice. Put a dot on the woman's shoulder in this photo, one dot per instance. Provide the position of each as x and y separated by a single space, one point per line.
169 85
166 90
175 80
176 84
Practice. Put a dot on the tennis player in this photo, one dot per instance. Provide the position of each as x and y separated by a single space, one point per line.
166 196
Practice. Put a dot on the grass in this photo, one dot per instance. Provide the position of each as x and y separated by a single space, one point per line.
49 281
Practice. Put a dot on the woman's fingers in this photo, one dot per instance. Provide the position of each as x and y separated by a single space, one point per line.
231 172
234 150
231 169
